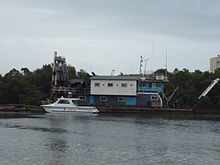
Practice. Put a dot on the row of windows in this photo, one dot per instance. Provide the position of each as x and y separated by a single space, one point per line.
104 98
152 85
122 99
124 85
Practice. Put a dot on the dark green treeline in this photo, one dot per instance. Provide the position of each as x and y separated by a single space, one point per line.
190 86
31 88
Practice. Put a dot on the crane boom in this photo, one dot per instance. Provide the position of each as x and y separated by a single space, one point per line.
209 88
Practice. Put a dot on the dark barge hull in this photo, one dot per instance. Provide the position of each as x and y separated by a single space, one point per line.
143 110
115 109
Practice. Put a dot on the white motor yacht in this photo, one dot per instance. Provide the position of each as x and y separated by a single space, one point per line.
68 105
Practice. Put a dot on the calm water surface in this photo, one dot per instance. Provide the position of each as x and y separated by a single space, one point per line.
75 138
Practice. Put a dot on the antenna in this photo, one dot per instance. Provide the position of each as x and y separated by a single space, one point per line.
166 64
145 66
152 53
140 69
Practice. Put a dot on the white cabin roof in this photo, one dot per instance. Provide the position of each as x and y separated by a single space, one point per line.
70 99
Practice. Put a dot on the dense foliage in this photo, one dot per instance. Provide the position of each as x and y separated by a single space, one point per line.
190 86
33 87
25 87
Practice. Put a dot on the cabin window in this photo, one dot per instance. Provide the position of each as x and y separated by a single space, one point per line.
97 84
63 102
159 85
82 98
103 98
154 85
121 99
124 85
154 98
110 84
74 102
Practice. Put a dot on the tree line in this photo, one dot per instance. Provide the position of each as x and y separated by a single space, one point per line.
33 87
190 87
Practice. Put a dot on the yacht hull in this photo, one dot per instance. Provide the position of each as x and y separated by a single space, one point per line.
51 109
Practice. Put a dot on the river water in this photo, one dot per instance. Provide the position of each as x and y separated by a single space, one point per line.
76 138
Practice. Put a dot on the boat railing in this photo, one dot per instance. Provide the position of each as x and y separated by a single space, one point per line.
69 89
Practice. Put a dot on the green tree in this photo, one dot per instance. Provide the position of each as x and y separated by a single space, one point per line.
72 72
41 78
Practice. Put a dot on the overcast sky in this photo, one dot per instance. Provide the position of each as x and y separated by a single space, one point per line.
102 35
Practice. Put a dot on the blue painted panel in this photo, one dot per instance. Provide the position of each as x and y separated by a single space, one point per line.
91 100
158 90
130 101
147 84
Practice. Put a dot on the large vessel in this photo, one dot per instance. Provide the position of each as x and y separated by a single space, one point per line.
131 90
130 93
68 105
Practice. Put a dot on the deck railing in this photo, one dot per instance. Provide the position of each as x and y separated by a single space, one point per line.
69 89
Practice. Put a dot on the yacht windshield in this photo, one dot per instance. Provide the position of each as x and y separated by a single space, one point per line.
74 102
63 102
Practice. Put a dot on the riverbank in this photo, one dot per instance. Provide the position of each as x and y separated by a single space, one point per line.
21 108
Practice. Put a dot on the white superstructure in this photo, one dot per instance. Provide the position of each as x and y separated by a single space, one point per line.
114 85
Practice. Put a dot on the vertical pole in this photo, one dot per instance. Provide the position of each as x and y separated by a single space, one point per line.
145 66
166 65
140 69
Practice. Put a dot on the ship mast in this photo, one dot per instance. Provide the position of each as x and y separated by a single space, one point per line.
140 68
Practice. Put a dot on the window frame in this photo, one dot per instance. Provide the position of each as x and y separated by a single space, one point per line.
110 84
104 100
84 98
121 100
154 98
124 85
64 102
154 85
97 84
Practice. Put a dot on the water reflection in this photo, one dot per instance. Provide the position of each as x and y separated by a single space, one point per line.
33 128
57 148
109 139
76 141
